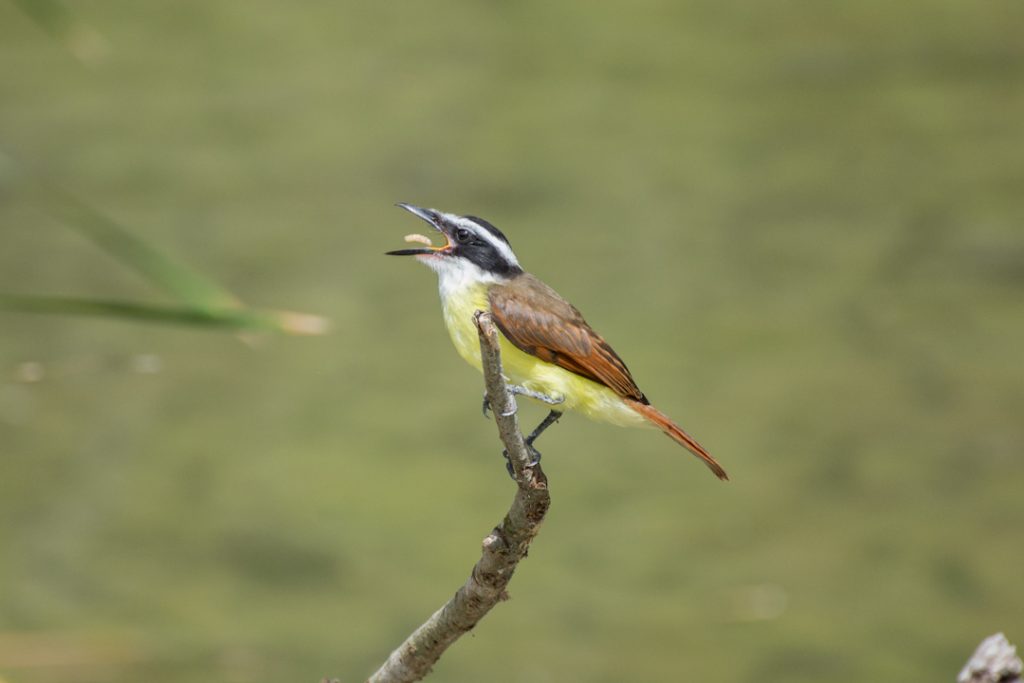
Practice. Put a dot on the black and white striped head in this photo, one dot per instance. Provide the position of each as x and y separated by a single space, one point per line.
473 246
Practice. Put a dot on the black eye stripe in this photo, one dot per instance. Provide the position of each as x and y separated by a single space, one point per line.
483 245
489 227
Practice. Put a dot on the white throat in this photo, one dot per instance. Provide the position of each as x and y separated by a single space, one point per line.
456 275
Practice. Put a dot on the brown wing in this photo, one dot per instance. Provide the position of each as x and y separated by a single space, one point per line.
539 322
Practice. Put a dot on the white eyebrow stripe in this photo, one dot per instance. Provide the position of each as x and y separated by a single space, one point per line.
480 231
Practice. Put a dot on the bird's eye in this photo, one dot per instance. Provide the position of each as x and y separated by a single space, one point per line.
462 234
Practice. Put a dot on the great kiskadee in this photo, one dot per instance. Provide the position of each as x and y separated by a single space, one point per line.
548 350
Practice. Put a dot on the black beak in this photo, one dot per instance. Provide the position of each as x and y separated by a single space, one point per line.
430 216
409 252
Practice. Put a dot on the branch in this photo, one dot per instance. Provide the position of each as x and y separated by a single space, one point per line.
503 548
995 661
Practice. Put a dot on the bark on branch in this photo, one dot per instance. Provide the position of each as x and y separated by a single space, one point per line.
995 661
503 547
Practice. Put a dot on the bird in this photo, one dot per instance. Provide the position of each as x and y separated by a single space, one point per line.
549 352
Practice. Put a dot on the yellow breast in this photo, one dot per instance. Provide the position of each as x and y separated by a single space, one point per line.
579 394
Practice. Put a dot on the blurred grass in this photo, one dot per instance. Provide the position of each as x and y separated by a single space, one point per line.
800 224
203 303
67 28
177 280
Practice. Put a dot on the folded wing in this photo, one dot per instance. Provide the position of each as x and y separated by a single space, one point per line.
539 322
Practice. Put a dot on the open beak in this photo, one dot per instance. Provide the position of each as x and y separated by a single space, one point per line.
436 222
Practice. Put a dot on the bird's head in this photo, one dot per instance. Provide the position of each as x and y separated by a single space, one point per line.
474 248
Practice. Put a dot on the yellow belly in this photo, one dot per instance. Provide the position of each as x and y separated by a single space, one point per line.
581 395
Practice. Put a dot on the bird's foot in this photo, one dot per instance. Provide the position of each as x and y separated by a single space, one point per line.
534 460
486 408
523 391
534 456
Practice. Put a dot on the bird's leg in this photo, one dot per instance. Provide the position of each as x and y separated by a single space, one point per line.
551 419
516 389
523 391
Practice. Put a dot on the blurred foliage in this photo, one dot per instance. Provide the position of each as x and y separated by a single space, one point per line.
204 302
800 225
66 27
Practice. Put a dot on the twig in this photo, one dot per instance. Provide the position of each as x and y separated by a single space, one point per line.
502 548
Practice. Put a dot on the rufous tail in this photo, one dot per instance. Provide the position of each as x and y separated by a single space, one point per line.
676 433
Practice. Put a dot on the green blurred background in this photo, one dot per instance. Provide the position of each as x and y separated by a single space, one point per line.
802 224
